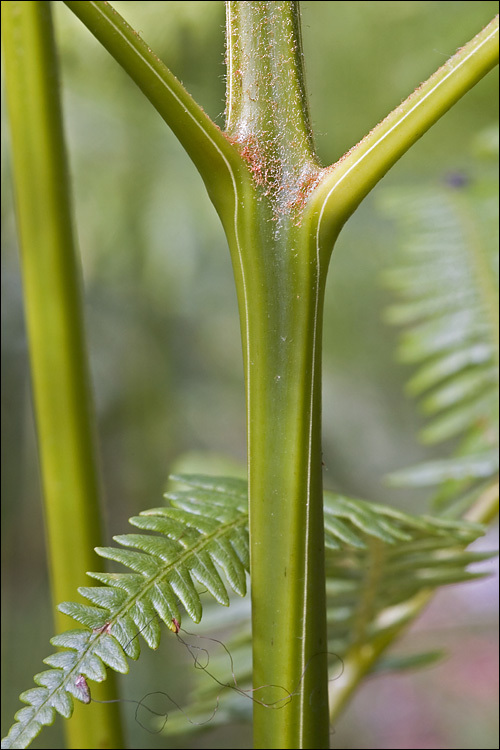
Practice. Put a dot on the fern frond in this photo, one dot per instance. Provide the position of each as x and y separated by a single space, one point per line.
448 290
201 532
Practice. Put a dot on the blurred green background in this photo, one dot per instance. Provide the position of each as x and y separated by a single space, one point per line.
164 343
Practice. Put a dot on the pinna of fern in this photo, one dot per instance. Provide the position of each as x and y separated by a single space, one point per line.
205 530
447 285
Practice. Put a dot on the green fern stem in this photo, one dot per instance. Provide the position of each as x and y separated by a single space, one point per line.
362 657
280 287
285 491
54 321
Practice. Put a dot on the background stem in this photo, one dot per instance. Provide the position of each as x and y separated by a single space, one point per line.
59 371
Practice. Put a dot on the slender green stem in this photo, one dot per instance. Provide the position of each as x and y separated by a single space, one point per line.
210 151
53 309
485 508
285 490
362 657
344 185
280 285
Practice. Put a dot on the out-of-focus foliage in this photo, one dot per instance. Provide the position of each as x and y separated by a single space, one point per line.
448 303
161 308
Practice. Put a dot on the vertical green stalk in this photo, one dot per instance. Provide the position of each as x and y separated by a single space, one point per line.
280 284
53 309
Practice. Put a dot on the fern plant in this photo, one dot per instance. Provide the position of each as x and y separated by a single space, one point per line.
281 212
